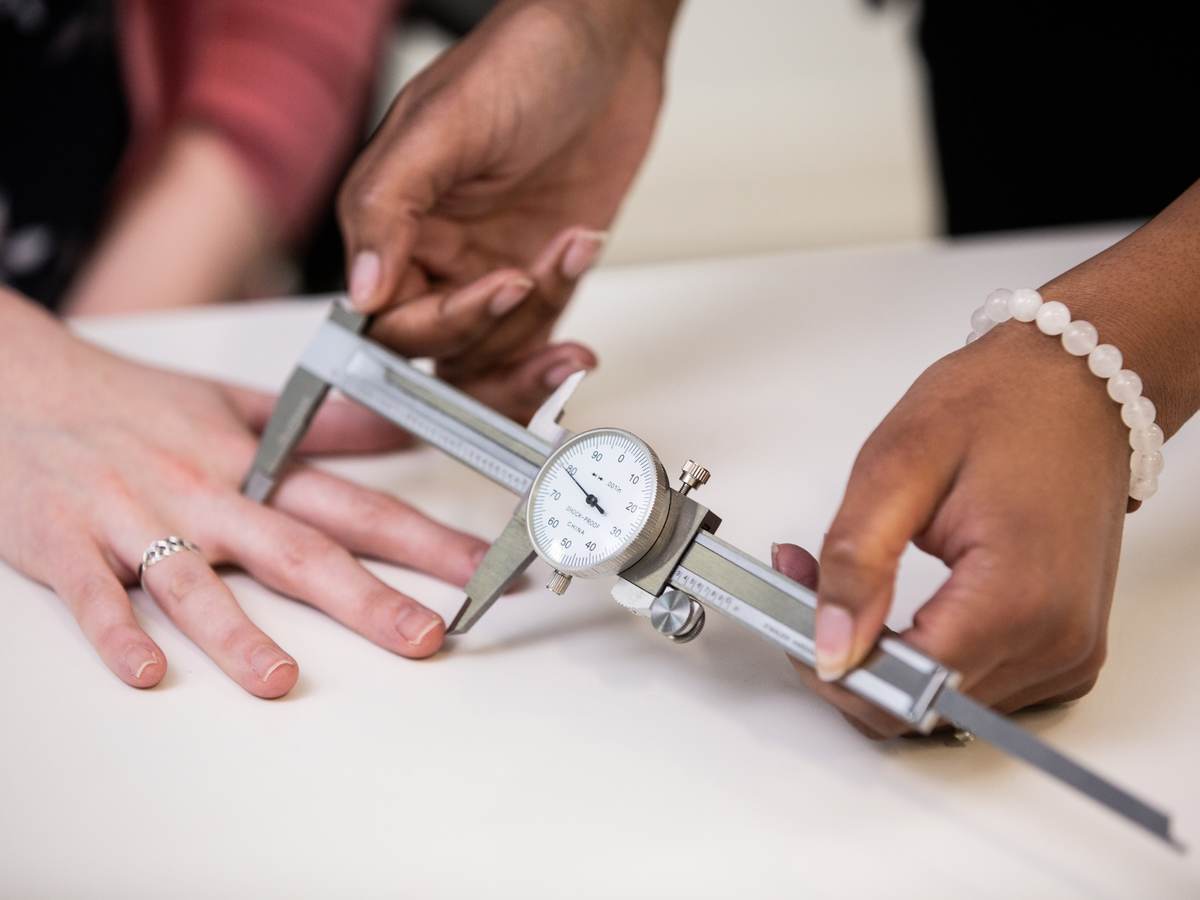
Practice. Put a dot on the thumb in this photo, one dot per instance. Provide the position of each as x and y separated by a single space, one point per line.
895 487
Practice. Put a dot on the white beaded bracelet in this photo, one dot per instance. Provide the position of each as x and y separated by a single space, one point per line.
1079 338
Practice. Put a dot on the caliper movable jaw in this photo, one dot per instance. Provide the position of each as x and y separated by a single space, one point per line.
506 559
637 587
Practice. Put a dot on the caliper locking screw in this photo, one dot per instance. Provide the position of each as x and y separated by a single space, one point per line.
677 616
694 476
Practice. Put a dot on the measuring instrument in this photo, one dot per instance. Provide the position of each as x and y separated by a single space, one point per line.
599 503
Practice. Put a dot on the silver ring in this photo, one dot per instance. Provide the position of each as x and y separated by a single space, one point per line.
160 550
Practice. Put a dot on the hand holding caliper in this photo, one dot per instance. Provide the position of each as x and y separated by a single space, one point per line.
659 542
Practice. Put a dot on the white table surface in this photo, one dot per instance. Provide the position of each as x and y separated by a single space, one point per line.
563 748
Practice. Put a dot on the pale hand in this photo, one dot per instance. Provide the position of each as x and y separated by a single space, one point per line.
100 456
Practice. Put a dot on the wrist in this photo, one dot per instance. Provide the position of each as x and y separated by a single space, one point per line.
1143 296
622 25
1151 344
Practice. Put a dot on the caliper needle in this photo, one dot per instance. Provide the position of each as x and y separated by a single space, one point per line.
591 498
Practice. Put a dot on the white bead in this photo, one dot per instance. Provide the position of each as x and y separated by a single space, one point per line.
1105 361
1079 338
1053 317
972 336
1024 304
996 305
1125 386
1148 439
1146 465
981 322
1142 488
1138 413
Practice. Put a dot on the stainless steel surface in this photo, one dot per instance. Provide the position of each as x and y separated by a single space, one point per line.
544 423
508 557
432 410
677 616
895 677
1000 732
670 612
297 404
685 518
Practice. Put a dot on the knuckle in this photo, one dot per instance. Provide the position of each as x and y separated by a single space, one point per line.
186 477
1084 688
89 596
1075 644
848 551
369 606
233 637
367 198
179 583
304 549
373 512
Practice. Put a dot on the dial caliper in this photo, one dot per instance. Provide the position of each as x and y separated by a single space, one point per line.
599 503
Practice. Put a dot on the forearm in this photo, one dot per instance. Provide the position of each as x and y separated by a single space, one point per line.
1143 295
188 236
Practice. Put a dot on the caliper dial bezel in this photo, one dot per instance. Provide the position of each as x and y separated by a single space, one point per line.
640 543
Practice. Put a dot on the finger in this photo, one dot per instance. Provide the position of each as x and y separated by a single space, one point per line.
894 489
865 717
301 562
556 273
203 608
340 425
100 605
375 524
384 199
518 390
796 563
443 323
968 627
448 249
1053 693
800 565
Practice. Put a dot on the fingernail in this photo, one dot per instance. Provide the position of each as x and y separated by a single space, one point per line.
835 630
560 373
582 253
415 623
511 293
138 659
265 660
364 277
774 556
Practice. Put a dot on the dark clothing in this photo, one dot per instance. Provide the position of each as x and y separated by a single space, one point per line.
64 132
1061 112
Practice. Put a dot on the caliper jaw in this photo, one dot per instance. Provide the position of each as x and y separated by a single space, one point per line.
294 410
506 559
512 552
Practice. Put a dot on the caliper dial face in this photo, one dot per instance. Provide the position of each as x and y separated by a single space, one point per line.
598 503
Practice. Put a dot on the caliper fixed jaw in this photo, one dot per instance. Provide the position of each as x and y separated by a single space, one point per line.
298 403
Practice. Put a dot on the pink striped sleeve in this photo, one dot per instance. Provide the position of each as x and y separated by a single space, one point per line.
285 81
